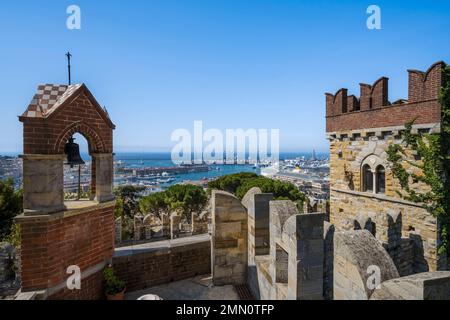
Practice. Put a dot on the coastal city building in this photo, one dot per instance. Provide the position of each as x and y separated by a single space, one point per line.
11 167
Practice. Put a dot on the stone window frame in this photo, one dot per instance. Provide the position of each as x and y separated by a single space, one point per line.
365 187
378 188
374 162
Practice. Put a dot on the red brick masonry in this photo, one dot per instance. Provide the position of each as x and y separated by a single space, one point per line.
141 270
82 114
50 244
373 110
91 289
82 235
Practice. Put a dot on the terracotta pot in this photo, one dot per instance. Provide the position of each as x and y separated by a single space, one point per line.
117 296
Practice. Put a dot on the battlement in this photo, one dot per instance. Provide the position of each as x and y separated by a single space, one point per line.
373 110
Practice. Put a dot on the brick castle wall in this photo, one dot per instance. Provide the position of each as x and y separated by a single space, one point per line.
91 289
147 269
407 231
373 109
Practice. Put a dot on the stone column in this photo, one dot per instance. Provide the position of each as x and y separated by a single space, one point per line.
43 184
104 170
374 173
93 180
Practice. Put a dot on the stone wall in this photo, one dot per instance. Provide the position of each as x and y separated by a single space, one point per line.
354 253
360 132
284 257
257 205
413 248
229 239
423 286
296 252
144 268
262 285
397 223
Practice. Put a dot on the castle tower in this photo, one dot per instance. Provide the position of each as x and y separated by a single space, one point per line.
364 191
59 235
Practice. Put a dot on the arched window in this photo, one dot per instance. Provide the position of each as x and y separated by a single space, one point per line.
78 178
381 180
367 178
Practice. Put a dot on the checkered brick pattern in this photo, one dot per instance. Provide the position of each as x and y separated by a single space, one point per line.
48 98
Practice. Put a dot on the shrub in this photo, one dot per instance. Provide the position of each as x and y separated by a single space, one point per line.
113 285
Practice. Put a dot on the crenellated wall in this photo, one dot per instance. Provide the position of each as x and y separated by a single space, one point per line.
373 110
229 239
360 133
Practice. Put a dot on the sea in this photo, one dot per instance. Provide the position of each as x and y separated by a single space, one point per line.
138 160
154 159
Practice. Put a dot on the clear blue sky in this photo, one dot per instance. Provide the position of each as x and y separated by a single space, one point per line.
159 65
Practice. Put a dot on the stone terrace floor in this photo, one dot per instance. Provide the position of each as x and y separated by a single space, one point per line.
198 288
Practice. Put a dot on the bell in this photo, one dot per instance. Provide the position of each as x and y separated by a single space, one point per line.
72 150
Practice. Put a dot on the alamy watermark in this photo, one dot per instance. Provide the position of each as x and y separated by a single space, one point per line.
374 279
74 280
73 21
374 20
229 147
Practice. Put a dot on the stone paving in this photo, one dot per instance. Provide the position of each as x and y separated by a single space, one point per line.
198 288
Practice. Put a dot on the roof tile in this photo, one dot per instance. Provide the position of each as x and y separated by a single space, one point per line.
47 98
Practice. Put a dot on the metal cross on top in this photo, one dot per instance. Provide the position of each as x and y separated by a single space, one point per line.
68 55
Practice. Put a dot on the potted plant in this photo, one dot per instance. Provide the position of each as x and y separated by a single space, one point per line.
114 287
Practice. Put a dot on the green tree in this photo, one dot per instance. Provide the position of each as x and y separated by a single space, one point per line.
186 200
183 199
230 183
11 204
155 204
240 183
127 200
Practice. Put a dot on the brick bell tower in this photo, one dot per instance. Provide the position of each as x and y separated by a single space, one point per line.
57 234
